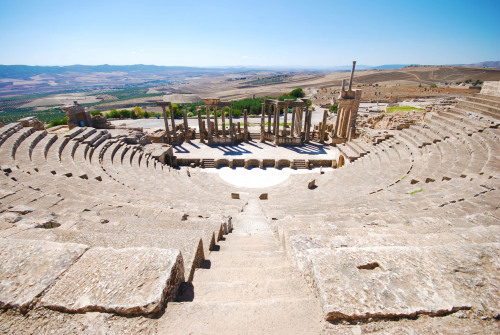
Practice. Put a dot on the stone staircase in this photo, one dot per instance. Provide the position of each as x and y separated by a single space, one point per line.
300 164
208 163
248 287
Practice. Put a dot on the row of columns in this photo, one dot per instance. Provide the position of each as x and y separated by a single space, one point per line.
171 135
272 109
215 104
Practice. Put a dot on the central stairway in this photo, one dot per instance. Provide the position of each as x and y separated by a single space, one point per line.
248 287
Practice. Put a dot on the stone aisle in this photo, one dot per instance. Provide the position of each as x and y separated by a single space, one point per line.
250 288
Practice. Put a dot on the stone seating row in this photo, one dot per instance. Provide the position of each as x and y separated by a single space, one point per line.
442 214
63 208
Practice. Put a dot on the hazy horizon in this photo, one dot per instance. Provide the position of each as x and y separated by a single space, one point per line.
272 34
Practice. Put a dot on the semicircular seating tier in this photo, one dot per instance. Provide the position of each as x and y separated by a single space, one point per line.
409 228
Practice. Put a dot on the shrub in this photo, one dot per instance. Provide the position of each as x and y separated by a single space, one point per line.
334 108
434 86
139 112
94 113
113 114
126 114
58 122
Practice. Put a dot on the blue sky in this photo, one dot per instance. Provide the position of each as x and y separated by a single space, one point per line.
233 33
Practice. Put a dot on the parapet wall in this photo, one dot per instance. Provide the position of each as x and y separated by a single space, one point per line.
491 88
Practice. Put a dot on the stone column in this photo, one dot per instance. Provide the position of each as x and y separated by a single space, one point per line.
263 123
285 113
276 125
269 119
345 123
352 75
223 120
292 129
165 119
335 131
323 127
245 125
307 125
186 135
209 133
200 126
172 118
231 128
216 122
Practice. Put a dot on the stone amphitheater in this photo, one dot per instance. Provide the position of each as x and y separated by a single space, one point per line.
99 236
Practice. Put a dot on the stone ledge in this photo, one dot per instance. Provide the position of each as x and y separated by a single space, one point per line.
29 267
127 281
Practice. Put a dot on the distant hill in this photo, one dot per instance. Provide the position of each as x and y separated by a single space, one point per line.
27 71
489 64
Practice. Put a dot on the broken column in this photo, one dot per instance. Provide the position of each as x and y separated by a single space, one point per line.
164 105
345 125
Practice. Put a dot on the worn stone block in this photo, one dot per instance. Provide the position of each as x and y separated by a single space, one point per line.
386 282
29 267
124 281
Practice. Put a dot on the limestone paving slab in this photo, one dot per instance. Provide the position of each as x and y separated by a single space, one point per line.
29 267
384 282
127 281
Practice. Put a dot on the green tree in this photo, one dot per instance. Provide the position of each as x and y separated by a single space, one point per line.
297 93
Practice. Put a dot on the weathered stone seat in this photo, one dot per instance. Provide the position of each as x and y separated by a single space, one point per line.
430 280
126 281
27 271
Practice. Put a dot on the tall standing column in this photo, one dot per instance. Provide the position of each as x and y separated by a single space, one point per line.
285 112
323 127
231 128
165 119
292 129
216 122
186 135
307 125
223 121
337 122
276 125
209 133
200 126
263 123
245 125
172 118
269 118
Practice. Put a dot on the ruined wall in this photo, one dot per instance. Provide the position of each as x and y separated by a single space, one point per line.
491 88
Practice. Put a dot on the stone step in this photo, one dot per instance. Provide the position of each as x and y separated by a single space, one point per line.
207 163
250 289
228 274
281 316
300 164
